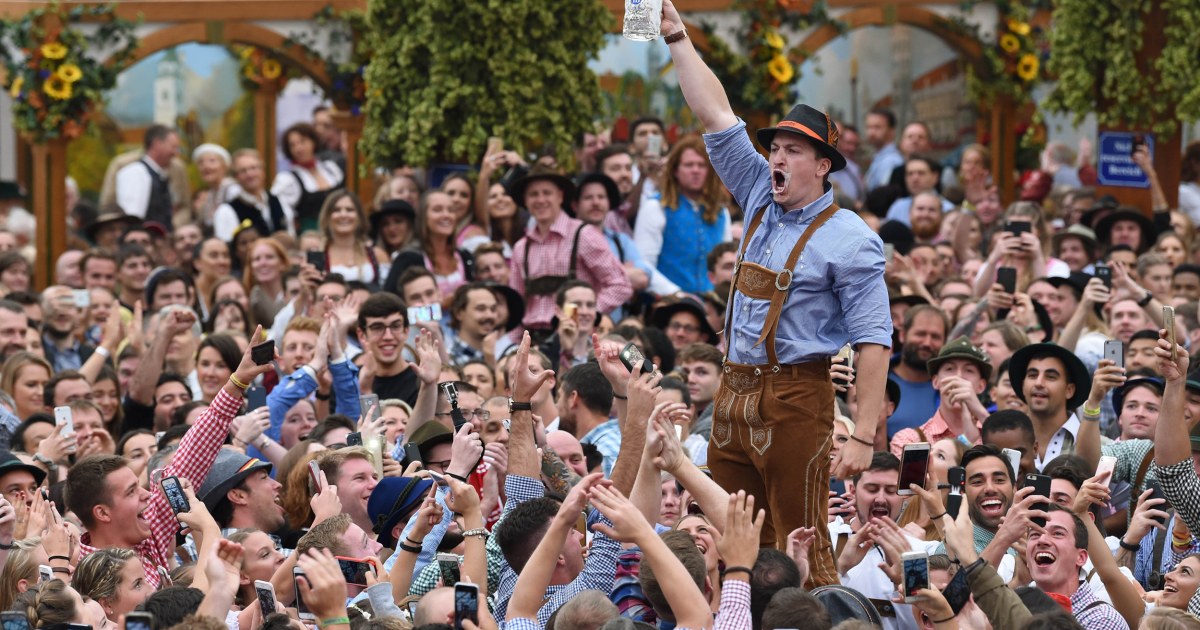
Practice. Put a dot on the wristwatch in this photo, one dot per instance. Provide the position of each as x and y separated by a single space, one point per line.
1145 299
518 406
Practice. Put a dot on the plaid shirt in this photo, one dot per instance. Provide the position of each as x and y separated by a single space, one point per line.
457 349
734 613
606 438
1093 613
197 452
550 255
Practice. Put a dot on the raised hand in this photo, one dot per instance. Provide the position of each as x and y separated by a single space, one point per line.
1172 368
628 524
323 587
429 357
1145 518
8 521
246 429
798 544
248 370
608 357
1094 491
429 514
524 383
465 451
740 541
669 456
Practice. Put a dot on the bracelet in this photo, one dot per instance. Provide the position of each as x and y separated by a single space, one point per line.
102 351
946 620
862 441
1094 413
409 548
934 518
335 621
237 383
1145 301
325 397
676 36
8 546
66 570
745 570
458 477
620 397
412 542
480 532
1128 547
1181 542
60 558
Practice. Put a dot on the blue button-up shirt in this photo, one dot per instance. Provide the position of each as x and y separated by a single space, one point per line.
885 161
838 295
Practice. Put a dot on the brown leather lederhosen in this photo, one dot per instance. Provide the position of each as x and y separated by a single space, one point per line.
789 406
548 285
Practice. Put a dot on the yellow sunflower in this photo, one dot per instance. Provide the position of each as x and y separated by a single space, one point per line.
1018 27
271 69
14 90
247 51
781 69
54 50
57 88
69 72
1010 43
1027 68
774 40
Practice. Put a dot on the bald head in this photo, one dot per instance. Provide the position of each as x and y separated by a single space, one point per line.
436 607
569 449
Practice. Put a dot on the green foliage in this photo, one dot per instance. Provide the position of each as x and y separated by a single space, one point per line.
444 76
345 58
1095 47
761 80
1014 61
55 82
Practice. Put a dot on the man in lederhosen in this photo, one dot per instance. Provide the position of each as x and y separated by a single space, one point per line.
558 248
809 280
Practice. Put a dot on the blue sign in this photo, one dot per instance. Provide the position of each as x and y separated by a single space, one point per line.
1116 167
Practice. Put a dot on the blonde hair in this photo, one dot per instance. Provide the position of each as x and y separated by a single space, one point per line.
14 364
248 280
49 604
21 565
1164 618
99 574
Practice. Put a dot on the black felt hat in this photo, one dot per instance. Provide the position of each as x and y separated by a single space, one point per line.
812 124
1076 370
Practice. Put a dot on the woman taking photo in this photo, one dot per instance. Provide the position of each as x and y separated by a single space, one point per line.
305 187
211 264
24 378
347 252
263 278
435 248
493 205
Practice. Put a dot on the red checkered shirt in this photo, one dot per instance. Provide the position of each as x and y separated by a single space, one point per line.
550 255
197 452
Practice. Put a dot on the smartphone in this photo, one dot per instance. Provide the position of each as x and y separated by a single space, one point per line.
412 609
889 253
1138 140
466 604
301 610
65 420
369 403
256 397
1104 272
1114 350
354 439
412 453
957 476
45 573
266 597
495 144
175 496
631 354
1169 324
316 259
957 592
914 463
314 475
448 564
654 144
139 620
374 445
354 570
1014 460
438 478
1016 228
14 620
570 310
82 297
1041 487
263 353
1156 492
1107 464
916 574
1007 277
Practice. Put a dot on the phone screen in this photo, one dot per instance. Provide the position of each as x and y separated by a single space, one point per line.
354 439
316 259
631 354
913 466
266 597
175 496
957 592
448 566
466 604
916 575
354 571
139 621
14 620
1007 277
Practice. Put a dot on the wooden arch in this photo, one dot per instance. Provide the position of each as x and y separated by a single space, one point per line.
966 46
224 33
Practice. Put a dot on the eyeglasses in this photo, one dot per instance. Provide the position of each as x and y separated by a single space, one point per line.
376 330
687 328
478 414
437 466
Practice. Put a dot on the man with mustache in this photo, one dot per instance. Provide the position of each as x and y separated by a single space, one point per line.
472 318
921 339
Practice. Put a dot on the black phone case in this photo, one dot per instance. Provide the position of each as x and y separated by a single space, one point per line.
354 439
957 592
263 353
1041 487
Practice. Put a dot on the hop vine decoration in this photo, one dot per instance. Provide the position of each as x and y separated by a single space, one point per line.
54 82
1016 62
1095 59
762 79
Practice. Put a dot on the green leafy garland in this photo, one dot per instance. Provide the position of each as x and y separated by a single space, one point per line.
762 79
445 76
54 82
1015 62
1096 44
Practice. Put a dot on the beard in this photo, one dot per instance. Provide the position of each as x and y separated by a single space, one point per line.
911 356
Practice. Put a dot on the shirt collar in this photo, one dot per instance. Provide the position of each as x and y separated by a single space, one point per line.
1071 426
560 226
801 215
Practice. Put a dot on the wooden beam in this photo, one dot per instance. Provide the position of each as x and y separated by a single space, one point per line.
685 6
197 10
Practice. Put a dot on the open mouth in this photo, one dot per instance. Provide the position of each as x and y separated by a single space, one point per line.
1169 588
779 181
1043 558
992 506
880 512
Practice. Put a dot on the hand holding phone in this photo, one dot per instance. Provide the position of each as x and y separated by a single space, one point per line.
316 259
1041 488
1114 350
631 354
1104 272
1169 324
466 604
262 353
266 597
916 574
914 463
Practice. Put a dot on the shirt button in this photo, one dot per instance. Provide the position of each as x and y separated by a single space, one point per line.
768 252
781 225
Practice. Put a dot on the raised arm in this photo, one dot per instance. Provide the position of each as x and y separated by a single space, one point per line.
427 367
1172 444
523 458
643 391
1125 597
701 88
145 377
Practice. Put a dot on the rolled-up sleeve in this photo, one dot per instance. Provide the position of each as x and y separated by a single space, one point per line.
743 170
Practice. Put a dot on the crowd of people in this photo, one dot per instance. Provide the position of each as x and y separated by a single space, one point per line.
678 385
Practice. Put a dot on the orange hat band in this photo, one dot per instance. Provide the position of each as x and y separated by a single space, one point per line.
795 126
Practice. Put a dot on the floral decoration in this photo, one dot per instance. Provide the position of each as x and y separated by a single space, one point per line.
261 69
345 61
1016 62
50 73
